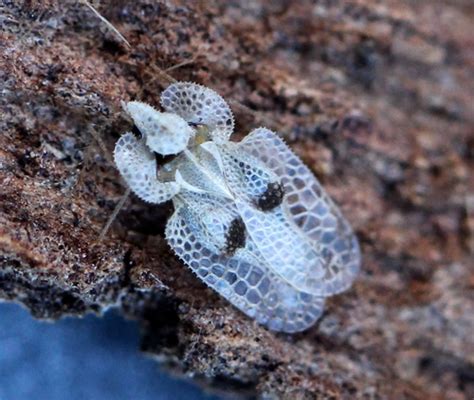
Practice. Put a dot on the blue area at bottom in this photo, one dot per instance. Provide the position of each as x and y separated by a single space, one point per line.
80 359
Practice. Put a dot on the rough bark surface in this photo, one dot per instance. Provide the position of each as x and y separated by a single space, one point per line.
376 97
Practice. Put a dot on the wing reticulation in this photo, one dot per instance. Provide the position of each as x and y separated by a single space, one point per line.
311 210
251 220
200 105
244 278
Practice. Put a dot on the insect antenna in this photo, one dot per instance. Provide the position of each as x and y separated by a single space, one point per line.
107 22
114 214
182 64
88 156
124 197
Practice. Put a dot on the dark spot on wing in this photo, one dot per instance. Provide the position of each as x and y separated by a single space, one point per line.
271 198
235 237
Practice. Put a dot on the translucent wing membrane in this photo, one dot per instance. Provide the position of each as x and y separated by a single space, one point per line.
250 219
310 208
137 165
285 248
243 278
200 106
248 176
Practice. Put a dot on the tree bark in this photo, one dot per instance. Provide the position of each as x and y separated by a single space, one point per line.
377 98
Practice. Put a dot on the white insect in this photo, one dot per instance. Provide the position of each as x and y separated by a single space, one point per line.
250 218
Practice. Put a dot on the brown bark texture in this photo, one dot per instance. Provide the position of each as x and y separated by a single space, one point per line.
376 97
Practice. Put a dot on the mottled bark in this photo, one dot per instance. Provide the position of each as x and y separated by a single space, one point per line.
376 98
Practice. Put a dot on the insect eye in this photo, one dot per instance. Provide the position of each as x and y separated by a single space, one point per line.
136 132
163 159
196 125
